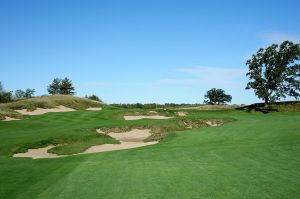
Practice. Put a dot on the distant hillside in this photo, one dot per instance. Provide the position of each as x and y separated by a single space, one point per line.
51 101
287 106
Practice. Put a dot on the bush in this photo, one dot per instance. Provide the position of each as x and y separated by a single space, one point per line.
5 97
93 97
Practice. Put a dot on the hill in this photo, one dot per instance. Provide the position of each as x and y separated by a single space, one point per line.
51 101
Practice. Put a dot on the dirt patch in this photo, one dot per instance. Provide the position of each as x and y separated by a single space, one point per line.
9 119
40 111
94 109
139 117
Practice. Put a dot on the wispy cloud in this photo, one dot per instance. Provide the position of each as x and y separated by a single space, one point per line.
207 76
278 37
205 71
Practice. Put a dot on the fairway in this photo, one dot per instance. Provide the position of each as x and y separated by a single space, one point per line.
256 156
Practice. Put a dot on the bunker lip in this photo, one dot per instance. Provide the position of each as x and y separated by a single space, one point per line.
7 119
131 139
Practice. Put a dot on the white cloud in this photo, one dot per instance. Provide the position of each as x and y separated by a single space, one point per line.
278 37
215 76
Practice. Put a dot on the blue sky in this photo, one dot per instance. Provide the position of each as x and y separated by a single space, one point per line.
140 51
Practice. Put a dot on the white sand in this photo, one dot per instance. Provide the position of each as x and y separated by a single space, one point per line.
9 119
94 109
132 139
180 113
38 153
40 111
113 147
139 117
212 123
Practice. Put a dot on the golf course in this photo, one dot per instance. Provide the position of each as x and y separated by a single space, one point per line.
149 99
253 155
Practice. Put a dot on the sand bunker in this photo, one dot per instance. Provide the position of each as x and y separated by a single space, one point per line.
40 111
94 109
180 113
214 123
132 139
38 153
113 147
139 117
9 119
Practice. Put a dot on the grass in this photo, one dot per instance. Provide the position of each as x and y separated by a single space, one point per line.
257 156
50 101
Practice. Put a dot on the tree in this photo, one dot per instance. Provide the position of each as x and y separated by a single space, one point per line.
66 87
93 97
1 88
216 96
29 93
4 95
19 94
54 87
274 72
61 86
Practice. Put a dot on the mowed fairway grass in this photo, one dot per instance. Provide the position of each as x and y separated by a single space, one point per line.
257 156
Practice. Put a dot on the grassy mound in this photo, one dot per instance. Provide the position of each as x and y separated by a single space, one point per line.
52 101
288 106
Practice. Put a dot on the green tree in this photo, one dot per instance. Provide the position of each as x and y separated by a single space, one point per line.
274 72
29 93
66 87
1 88
19 94
216 96
4 95
54 87
61 86
93 97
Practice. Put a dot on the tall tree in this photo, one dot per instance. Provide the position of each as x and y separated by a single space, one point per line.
19 94
66 87
54 87
4 95
274 72
29 93
216 96
1 88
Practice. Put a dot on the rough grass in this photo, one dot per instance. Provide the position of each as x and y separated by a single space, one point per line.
5 111
50 101
288 106
53 101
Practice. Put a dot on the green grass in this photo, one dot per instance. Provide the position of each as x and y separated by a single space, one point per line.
257 156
